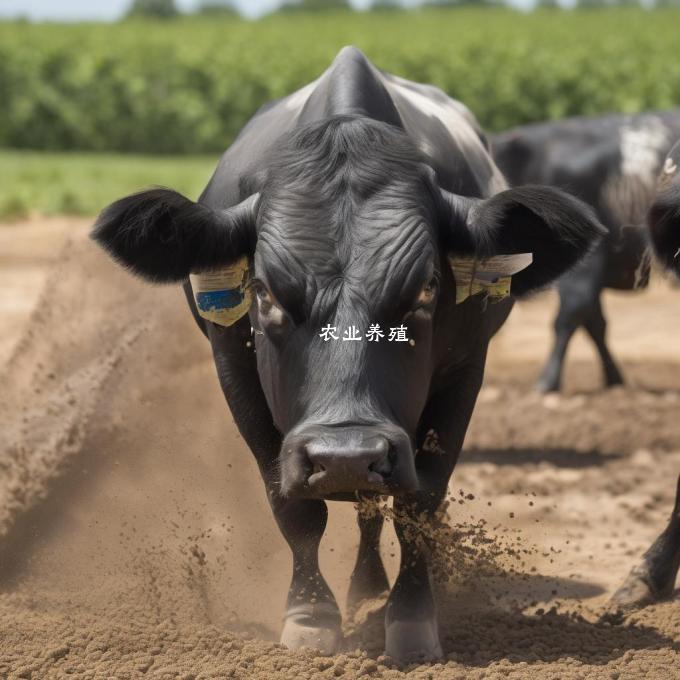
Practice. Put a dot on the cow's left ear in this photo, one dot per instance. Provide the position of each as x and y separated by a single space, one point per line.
556 228
163 236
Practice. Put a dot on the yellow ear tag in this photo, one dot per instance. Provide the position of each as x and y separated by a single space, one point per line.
223 295
492 276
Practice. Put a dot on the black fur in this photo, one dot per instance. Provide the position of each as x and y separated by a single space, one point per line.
334 188
163 236
556 227
664 226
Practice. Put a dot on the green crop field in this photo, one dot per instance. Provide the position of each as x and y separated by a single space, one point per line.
83 183
188 86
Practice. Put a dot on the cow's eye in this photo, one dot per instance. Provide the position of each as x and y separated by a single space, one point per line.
268 309
428 293
262 294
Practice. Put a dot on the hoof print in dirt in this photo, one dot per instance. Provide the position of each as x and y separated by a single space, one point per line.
409 641
318 630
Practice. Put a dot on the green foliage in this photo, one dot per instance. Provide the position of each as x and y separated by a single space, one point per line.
82 184
592 4
216 8
314 5
188 86
441 3
386 5
548 4
155 9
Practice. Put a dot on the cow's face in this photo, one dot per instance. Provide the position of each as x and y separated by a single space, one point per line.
349 234
347 250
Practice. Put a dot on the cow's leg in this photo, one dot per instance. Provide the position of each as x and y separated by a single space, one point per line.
368 578
596 325
411 628
567 321
579 293
654 578
312 617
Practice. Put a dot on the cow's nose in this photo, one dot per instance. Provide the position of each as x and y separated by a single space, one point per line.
339 460
349 462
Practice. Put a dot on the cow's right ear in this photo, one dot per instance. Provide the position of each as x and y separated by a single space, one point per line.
664 215
555 228
163 236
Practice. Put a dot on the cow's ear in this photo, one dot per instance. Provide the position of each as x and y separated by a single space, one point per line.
664 215
556 228
163 236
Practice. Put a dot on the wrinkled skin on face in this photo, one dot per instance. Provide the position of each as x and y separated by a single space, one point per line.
346 238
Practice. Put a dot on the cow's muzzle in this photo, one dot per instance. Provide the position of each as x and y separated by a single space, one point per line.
326 461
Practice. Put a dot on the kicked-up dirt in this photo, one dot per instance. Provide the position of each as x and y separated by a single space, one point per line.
136 540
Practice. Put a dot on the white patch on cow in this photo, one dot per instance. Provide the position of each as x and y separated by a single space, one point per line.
449 112
426 147
642 148
458 120
628 197
670 167
643 269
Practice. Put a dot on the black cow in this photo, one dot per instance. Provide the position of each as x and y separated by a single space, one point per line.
340 205
664 215
654 577
611 162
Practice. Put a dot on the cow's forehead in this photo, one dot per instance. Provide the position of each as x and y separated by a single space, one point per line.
379 249
348 204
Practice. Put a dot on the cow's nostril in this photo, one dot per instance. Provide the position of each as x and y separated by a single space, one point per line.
385 465
318 467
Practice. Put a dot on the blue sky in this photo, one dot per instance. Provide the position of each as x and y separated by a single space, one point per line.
109 10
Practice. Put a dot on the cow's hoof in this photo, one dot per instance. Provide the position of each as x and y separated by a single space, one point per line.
635 592
407 641
547 386
315 626
614 381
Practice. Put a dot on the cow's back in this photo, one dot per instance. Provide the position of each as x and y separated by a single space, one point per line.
611 162
442 128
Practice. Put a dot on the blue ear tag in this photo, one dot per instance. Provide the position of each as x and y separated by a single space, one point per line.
223 295
492 276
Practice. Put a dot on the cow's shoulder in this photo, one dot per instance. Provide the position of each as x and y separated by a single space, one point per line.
432 101
563 153
250 152
448 134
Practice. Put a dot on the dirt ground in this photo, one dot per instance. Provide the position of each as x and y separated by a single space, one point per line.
135 537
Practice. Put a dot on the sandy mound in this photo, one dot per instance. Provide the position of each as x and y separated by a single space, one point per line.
136 539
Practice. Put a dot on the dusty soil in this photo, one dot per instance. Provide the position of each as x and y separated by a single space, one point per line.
135 538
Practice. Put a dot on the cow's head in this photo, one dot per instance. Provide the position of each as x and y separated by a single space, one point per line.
664 215
349 229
